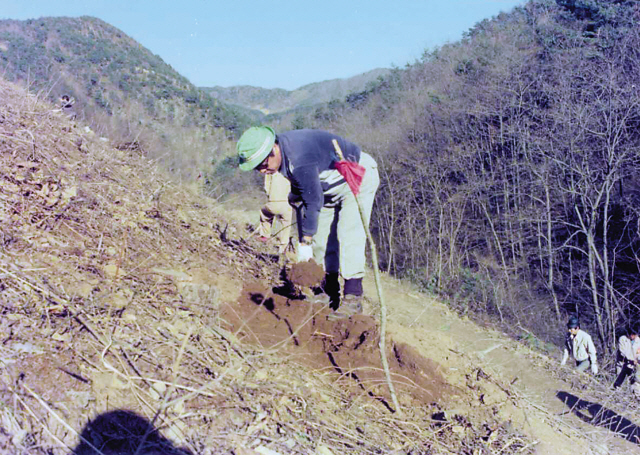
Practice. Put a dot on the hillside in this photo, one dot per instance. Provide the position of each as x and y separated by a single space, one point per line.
272 101
121 294
139 319
139 316
510 168
120 88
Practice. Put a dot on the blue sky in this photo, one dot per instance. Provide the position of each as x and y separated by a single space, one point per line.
277 43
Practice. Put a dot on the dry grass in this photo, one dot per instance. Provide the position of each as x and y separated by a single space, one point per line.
593 400
110 342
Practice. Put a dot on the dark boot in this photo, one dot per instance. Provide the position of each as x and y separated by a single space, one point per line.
353 286
328 292
352 301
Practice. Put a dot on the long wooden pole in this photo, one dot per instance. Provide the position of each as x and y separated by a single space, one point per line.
383 306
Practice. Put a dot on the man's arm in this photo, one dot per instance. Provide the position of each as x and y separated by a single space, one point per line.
307 184
565 356
592 354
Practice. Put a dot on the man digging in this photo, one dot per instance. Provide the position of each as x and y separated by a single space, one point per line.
330 225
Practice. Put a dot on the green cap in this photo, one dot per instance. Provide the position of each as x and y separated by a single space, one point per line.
254 146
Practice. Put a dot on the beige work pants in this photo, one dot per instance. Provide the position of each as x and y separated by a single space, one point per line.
276 215
341 239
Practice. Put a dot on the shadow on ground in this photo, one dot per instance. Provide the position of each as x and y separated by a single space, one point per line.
598 415
124 433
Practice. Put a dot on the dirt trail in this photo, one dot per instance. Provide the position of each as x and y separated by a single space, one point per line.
439 334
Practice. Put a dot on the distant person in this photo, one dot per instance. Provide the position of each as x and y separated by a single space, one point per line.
67 107
579 345
627 359
276 215
330 227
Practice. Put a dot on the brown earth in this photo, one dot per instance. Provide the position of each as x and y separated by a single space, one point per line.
112 338
348 347
138 317
306 274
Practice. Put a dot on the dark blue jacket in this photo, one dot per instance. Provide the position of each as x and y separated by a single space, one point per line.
308 158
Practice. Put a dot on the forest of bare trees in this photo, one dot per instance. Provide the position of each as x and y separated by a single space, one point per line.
510 166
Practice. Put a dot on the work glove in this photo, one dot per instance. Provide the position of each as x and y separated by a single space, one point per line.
594 368
305 252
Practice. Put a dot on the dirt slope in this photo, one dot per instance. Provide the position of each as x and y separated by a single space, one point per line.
474 370
112 281
137 319
537 387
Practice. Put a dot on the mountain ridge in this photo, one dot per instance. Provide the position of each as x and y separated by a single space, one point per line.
102 68
121 89
278 100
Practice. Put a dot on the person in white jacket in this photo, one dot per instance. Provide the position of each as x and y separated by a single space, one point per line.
579 345
627 359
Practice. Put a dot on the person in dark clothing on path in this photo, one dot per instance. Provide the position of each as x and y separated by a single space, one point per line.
331 230
627 360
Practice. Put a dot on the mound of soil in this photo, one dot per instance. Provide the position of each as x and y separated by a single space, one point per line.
347 347
306 273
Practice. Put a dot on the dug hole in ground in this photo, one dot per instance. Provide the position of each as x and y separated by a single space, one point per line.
140 317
